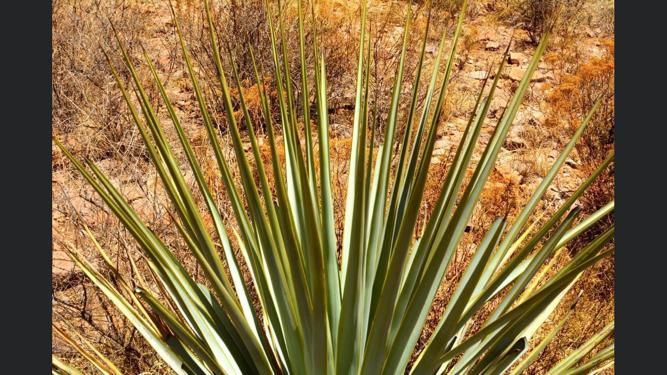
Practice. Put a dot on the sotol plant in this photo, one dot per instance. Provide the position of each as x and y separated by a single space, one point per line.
365 315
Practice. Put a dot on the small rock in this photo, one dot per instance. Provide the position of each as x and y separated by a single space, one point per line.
553 195
514 139
59 177
506 165
61 263
571 163
516 74
485 35
537 118
189 176
499 101
451 128
552 155
441 147
596 51
492 46
516 58
567 183
459 124
478 74
540 76
439 152
80 206
519 121
396 33
163 60
177 95
461 61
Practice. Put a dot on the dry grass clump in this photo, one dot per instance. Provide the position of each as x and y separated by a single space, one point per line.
591 312
242 29
583 85
589 83
90 116
78 306
540 16
88 112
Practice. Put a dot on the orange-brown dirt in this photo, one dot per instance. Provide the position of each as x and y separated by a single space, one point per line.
92 121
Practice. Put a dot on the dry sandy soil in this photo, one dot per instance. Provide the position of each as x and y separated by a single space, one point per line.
90 121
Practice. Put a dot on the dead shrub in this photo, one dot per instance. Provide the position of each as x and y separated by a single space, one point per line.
570 100
540 16
85 100
242 27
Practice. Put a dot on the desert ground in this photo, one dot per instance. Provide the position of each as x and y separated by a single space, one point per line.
90 118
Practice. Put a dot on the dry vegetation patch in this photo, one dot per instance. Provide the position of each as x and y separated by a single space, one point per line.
89 116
